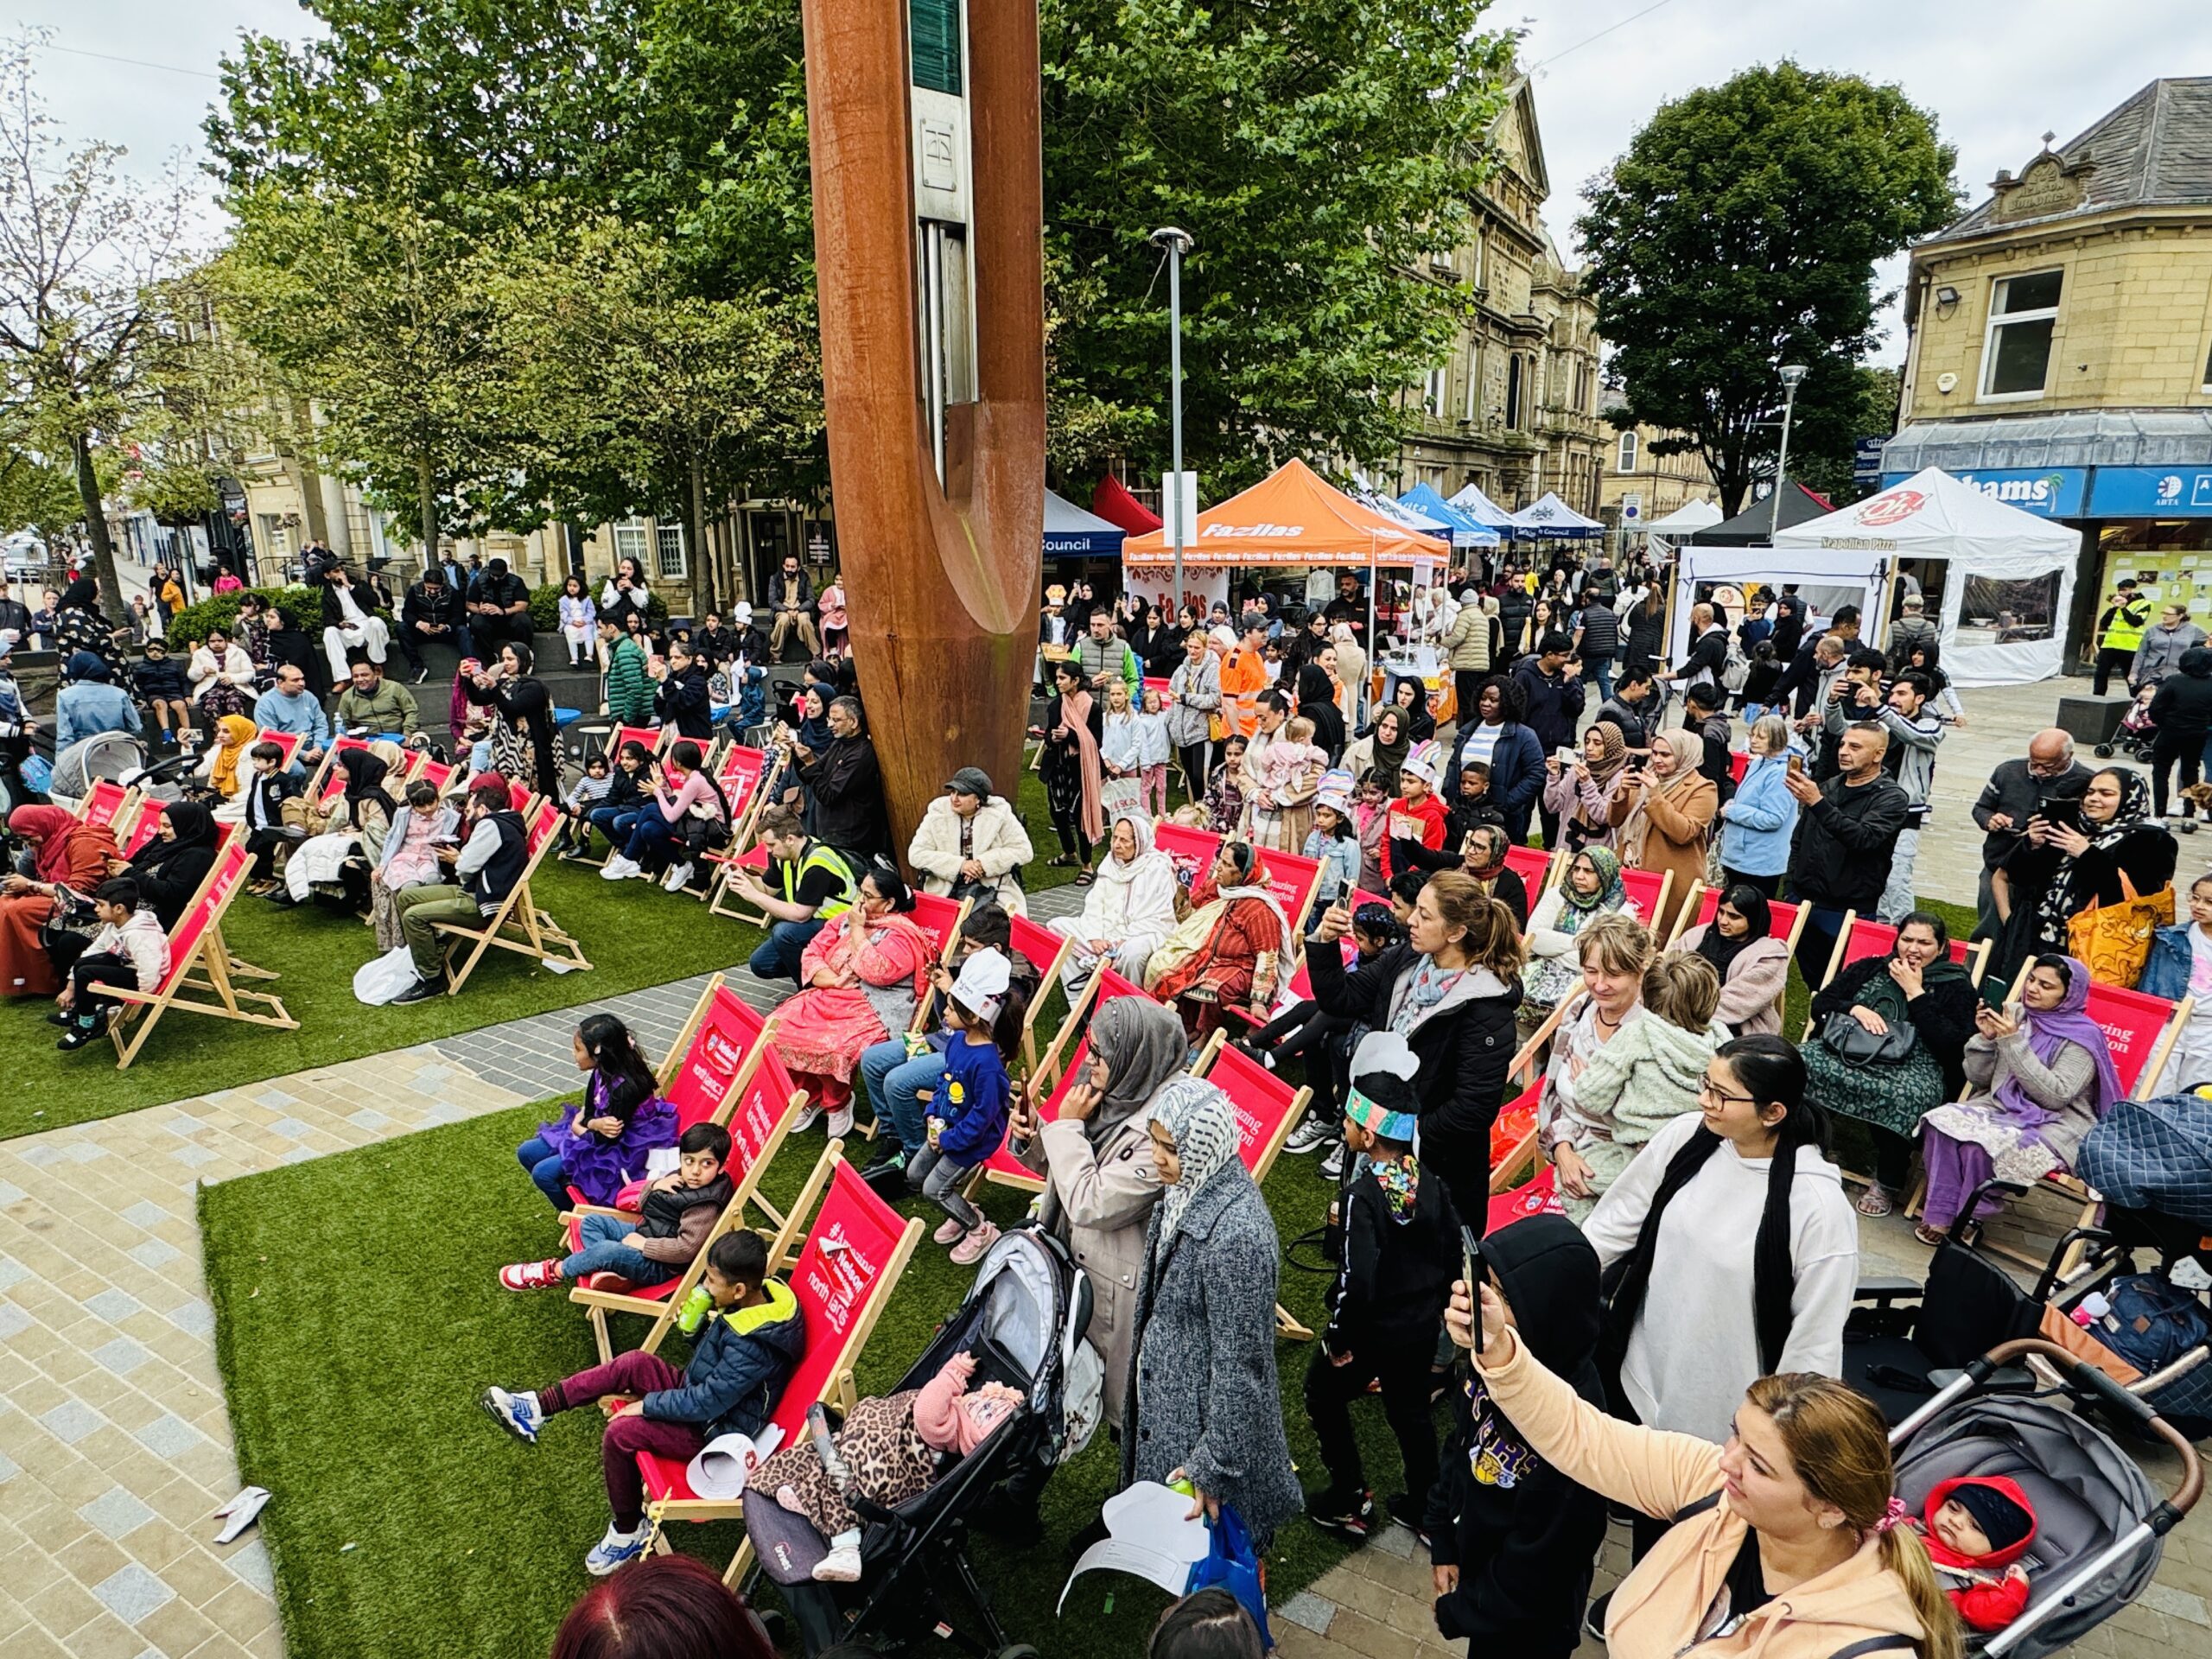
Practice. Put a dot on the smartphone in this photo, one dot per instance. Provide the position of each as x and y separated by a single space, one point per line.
1797 764
2062 812
1470 1266
1567 756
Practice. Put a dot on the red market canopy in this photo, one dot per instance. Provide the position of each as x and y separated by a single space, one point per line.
1111 502
1292 517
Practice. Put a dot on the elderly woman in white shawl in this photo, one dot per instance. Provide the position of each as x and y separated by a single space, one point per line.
1130 909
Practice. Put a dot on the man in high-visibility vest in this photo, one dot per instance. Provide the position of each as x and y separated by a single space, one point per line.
1244 675
2120 631
811 886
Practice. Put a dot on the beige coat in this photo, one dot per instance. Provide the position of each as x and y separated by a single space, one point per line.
1002 847
1750 997
1675 840
1105 1201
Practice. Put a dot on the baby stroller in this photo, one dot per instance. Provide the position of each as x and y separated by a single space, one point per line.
1023 1320
2136 729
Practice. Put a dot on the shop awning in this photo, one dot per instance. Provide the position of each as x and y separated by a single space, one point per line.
1072 532
1113 503
1467 531
1293 517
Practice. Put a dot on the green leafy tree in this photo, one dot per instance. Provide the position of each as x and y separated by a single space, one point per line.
1317 154
1739 232
1830 469
39 494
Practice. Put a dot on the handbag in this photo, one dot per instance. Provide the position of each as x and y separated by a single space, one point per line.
2151 1322
2114 940
1233 1564
1117 796
1855 1046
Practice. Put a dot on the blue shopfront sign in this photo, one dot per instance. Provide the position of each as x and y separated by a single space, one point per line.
2047 492
2151 492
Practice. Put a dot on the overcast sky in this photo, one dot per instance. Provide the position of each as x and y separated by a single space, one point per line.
1996 72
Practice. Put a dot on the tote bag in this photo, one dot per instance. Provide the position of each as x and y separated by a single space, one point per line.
2114 940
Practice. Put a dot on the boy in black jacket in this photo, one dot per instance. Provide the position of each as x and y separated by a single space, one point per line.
1511 1540
1398 1252
747 1347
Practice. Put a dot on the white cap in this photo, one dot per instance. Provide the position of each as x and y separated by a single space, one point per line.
983 983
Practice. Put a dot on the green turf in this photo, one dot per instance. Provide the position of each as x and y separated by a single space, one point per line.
632 935
402 1514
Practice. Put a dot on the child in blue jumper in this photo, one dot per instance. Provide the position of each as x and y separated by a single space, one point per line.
969 1108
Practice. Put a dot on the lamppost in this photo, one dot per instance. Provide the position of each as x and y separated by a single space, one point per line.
1176 242
1792 374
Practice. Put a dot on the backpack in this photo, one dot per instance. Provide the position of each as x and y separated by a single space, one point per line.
2151 1322
1737 669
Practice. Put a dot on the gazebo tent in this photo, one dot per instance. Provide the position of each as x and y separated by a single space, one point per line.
1826 578
1113 503
1690 515
2010 583
1754 527
1293 517
1483 510
1072 532
1467 531
1551 517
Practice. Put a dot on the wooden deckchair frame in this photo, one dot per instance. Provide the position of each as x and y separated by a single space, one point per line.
1687 918
128 798
1288 1325
541 936
838 1388
924 1007
202 982
742 834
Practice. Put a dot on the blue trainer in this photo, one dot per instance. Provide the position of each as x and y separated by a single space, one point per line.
616 1549
516 1413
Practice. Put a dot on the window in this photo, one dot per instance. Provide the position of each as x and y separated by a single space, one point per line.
1626 461
1473 407
2023 315
1432 393
668 542
1475 261
1513 392
630 542
935 34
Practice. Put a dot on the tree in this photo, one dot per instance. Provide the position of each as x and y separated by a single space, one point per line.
1874 413
1740 232
38 493
81 246
1318 154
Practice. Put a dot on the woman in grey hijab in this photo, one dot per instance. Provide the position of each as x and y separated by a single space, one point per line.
1095 1157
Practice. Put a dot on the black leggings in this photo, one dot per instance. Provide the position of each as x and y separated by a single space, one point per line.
1069 825
1197 758
2165 749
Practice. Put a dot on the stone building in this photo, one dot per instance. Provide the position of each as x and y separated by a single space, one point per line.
1513 409
1637 487
2061 352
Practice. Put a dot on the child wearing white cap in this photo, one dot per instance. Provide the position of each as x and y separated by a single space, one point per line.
968 1109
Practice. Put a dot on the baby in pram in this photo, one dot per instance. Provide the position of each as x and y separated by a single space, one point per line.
890 1447
1976 1529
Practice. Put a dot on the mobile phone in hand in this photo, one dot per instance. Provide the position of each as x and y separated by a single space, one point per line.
1471 1264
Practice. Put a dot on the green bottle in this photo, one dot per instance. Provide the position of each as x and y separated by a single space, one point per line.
697 1306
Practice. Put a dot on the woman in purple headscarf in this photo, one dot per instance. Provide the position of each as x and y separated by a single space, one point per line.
2044 1075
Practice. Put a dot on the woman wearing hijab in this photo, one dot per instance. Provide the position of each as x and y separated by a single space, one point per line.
79 625
1485 861
1663 814
1383 752
1410 697
65 853
222 767
2043 1077
1074 777
522 738
1917 987
1591 888
1752 963
1317 701
170 868
1202 1402
360 820
1126 914
1233 948
1095 1157
1582 794
2063 866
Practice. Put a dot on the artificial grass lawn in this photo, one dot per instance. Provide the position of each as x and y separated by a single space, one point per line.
404 1524
633 936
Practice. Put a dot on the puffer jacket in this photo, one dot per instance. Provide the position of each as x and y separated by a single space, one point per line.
1001 843
740 1360
1467 642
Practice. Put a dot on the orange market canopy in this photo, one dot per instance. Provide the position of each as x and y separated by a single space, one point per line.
1290 517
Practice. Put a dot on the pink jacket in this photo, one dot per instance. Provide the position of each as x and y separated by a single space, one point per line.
950 1417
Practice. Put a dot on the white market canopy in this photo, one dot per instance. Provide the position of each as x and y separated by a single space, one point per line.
1691 515
1483 510
1549 515
2011 584
1826 579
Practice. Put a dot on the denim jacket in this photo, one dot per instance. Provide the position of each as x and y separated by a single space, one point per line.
1760 819
2166 974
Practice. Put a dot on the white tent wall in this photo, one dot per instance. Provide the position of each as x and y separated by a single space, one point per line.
2018 664
1826 577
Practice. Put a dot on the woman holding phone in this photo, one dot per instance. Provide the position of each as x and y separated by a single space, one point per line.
2074 854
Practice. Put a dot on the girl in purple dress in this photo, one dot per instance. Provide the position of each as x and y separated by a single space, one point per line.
602 1146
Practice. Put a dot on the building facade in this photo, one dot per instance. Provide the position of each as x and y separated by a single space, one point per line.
1637 487
2061 350
1513 409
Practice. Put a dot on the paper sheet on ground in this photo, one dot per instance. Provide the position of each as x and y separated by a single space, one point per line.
1148 1535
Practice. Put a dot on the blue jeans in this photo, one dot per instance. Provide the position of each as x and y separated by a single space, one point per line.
778 956
894 1085
1601 670
938 1179
603 1251
614 822
545 1169
648 835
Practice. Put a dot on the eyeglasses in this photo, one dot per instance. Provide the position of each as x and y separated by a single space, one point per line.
1705 1091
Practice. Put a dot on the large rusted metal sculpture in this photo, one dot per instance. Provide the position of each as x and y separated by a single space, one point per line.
941 567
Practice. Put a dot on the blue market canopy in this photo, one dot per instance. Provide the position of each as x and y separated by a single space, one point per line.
1467 531
1071 531
1552 516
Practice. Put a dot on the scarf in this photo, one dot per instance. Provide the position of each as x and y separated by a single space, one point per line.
1688 750
1721 950
459 710
1389 758
82 595
233 733
1421 990
1075 715
1613 753
194 827
2051 1029
1487 873
365 775
49 827
2066 894
1608 895
1401 1185
1142 1045
1203 1124
1111 869
815 734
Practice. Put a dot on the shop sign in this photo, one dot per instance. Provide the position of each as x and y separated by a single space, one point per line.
2151 492
2047 492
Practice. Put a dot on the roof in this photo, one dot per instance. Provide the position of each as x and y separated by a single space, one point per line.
1068 528
2085 437
1292 517
1751 527
1112 502
2154 151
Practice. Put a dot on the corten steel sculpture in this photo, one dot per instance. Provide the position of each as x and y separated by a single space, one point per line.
942 580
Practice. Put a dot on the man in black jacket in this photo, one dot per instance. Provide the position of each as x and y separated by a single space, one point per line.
844 786
1632 707
1552 695
2016 791
1599 639
498 609
790 600
1702 712
432 610
1847 829
681 699
14 616
1805 680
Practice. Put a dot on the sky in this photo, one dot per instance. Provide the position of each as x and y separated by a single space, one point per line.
1997 73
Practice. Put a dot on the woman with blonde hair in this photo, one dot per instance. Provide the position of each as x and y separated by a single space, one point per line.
1785 1541
1662 814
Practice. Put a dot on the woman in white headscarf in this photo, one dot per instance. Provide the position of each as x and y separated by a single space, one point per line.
1204 1403
1128 912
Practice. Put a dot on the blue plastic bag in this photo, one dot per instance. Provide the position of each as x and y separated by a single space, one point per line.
38 774
1233 1564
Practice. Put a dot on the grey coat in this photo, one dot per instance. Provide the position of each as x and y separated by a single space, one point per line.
1203 1394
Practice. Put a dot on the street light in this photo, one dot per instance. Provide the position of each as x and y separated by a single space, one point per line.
1792 374
1176 242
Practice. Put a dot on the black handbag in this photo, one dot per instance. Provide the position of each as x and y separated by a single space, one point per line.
1855 1046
